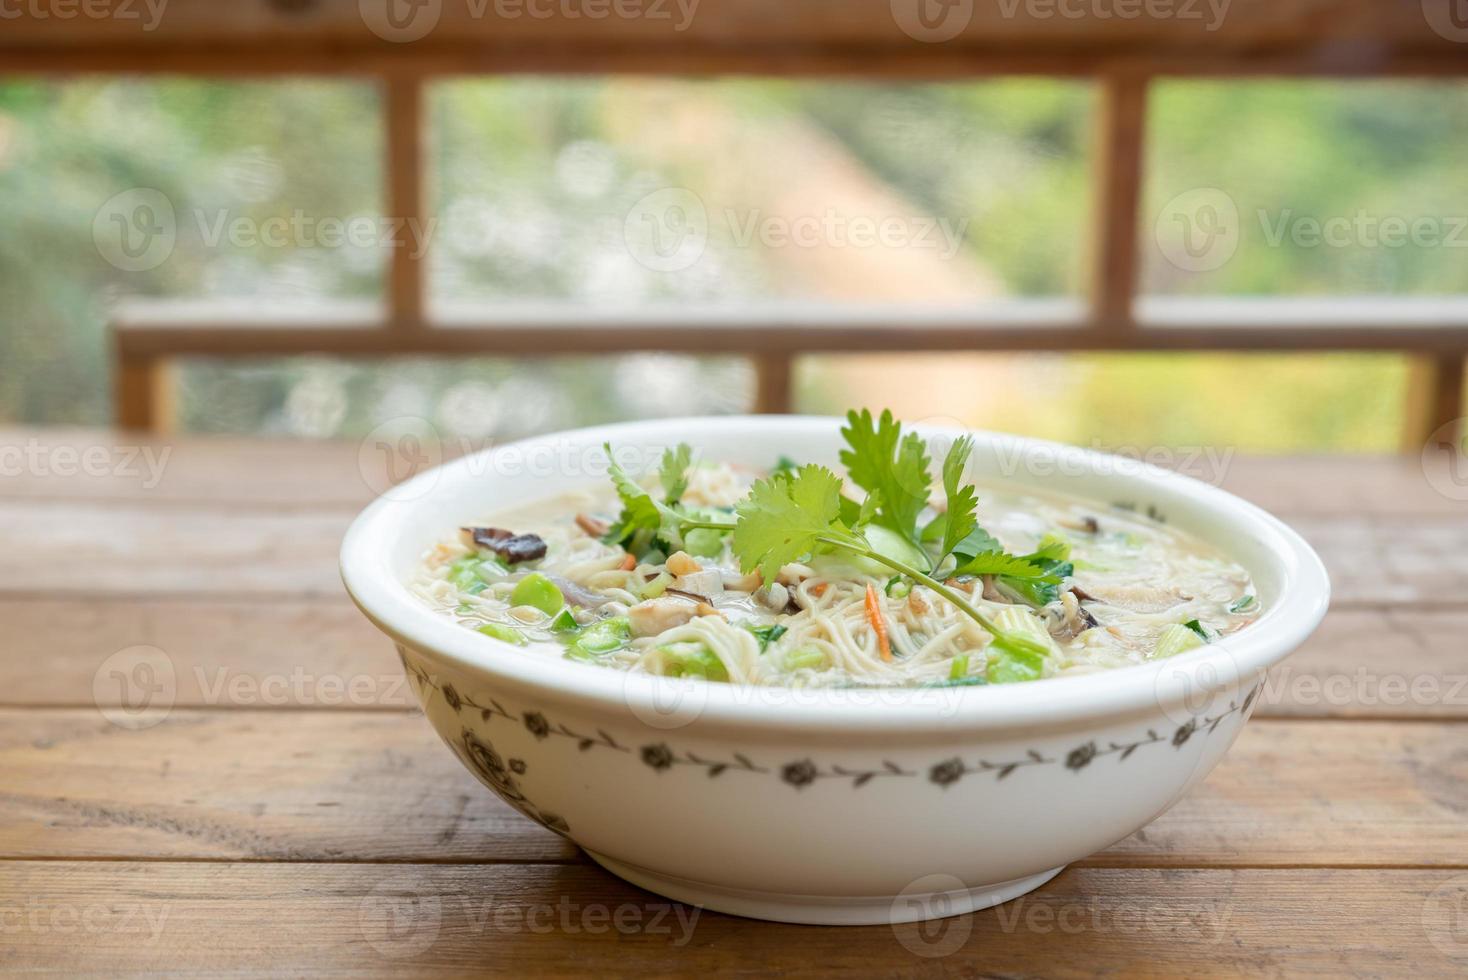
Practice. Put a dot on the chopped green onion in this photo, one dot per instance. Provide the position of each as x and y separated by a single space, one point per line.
1011 662
538 592
768 634
1242 604
693 659
564 622
599 638
806 657
503 633
959 667
657 586
1175 639
898 587
1197 628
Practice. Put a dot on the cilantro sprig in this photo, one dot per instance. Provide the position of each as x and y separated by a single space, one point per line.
799 510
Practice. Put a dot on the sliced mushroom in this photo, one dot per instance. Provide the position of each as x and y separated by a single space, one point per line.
661 614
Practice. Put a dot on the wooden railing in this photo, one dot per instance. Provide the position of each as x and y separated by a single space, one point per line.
1339 38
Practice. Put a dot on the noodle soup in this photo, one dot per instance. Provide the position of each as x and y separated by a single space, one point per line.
1110 587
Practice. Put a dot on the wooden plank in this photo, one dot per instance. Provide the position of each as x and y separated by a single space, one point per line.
405 132
1298 25
252 653
98 464
1121 127
1432 324
299 786
566 920
143 394
338 785
198 550
772 375
1434 402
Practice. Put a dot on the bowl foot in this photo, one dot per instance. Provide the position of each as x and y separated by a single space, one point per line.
826 910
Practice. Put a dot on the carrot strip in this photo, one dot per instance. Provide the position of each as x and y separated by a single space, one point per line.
874 613
819 589
629 562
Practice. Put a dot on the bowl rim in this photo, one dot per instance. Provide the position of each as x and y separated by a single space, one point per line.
1236 662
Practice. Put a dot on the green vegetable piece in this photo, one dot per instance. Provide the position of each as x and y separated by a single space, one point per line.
1175 639
564 622
673 473
462 573
890 544
1012 665
972 681
959 667
1053 546
768 634
806 657
504 633
599 638
704 542
657 586
1242 604
898 587
694 660
539 592
882 460
1198 628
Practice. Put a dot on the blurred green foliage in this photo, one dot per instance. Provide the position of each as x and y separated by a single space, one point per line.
534 178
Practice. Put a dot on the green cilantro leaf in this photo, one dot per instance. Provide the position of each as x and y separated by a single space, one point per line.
881 460
963 501
783 516
643 519
1000 563
674 472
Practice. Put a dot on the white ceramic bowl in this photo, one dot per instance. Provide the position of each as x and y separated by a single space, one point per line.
840 807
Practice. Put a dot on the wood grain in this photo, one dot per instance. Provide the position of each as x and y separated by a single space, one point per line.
322 786
568 920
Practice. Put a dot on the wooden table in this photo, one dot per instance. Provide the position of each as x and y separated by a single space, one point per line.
290 812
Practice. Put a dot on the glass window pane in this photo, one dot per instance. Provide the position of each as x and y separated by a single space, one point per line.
1306 188
639 191
1133 402
123 187
472 399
